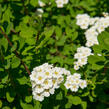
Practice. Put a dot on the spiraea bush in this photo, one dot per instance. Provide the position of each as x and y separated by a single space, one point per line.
54 54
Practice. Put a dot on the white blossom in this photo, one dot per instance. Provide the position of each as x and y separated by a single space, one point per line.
81 56
94 26
73 82
41 4
60 3
45 79
83 84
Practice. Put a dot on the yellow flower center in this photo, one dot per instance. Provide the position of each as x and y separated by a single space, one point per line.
68 84
39 78
56 73
47 73
54 81
39 86
45 82
74 86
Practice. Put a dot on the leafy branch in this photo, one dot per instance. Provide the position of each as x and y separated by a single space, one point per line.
15 51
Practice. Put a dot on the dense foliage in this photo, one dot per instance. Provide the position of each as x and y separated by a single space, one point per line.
28 40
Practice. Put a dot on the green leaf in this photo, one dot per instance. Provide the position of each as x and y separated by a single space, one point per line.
26 106
74 36
34 3
9 98
97 48
38 105
15 62
84 104
22 81
91 98
8 64
49 31
68 105
97 67
58 32
59 96
1 69
7 14
4 43
6 107
61 42
56 107
28 99
103 40
94 59
0 103
5 79
74 100
14 47
9 27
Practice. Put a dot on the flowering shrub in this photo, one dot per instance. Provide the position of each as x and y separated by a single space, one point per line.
54 54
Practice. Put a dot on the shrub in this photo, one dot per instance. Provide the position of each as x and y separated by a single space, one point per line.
32 33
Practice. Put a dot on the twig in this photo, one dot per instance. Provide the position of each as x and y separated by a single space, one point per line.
15 51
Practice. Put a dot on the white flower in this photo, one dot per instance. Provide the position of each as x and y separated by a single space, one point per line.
64 71
38 89
67 85
83 20
47 66
77 81
76 67
41 4
47 84
83 61
48 73
33 75
71 79
52 90
92 21
65 1
83 84
74 88
46 93
60 79
81 56
101 28
40 78
105 14
76 75
39 12
73 82
33 84
89 43
38 69
78 56
55 84
38 97
57 72
59 3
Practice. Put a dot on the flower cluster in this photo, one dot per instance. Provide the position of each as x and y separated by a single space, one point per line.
60 3
45 79
74 81
83 20
94 26
81 56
